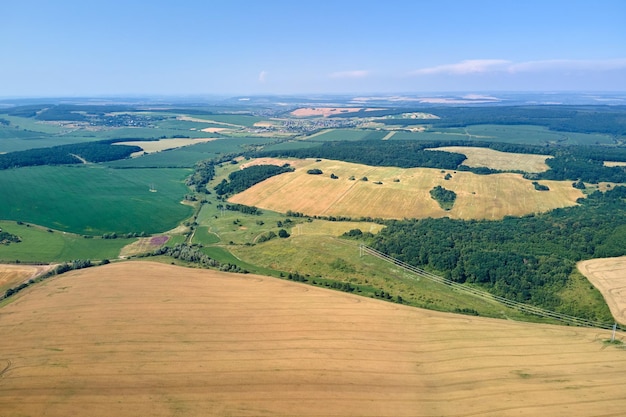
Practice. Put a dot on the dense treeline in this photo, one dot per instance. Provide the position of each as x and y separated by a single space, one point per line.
568 163
378 153
194 255
584 119
570 167
243 179
203 173
100 151
59 269
527 259
29 110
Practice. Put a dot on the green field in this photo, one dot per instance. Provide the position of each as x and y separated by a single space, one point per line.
348 134
189 155
40 245
234 119
95 200
526 134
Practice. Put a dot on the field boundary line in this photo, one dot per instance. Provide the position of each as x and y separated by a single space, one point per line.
526 308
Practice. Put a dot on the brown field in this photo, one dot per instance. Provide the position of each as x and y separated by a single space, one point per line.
609 277
13 275
504 161
327 111
139 338
478 196
614 164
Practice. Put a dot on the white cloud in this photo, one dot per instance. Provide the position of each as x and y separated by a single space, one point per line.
350 74
477 66
568 65
471 66
262 76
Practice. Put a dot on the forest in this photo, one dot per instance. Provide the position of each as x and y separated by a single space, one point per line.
241 180
568 163
573 118
378 153
101 151
527 259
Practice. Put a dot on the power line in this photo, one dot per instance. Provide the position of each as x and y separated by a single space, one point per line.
577 321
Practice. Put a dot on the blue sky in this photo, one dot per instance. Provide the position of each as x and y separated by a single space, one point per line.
79 48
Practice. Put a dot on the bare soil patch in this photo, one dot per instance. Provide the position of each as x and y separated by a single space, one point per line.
614 164
140 338
327 111
504 161
401 192
143 245
214 129
609 277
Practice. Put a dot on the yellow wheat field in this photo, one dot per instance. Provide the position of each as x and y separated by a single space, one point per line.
140 338
609 277
404 193
12 275
503 161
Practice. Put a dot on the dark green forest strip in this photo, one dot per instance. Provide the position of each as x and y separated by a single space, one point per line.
100 151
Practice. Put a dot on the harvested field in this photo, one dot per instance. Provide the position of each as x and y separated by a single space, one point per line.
614 164
204 343
504 161
609 277
13 275
163 144
403 192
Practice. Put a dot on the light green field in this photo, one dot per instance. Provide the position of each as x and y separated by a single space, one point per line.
325 257
527 134
347 134
401 193
39 245
95 200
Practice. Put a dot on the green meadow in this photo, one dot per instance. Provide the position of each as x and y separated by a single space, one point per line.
94 200
525 134
40 245
348 134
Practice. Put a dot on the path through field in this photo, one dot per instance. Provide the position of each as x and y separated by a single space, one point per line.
141 338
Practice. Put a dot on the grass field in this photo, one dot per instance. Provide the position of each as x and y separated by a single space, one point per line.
609 277
478 196
528 134
95 200
347 134
39 245
503 161
84 343
186 157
